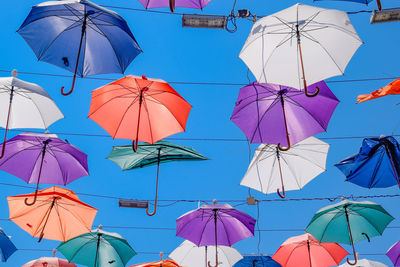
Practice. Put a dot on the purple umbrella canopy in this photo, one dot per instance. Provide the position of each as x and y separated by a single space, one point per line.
394 254
276 114
46 159
199 4
213 225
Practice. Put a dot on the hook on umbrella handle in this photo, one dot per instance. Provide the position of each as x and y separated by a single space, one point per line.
283 148
69 92
352 263
366 237
209 264
172 5
135 145
313 94
34 199
154 211
283 195
3 150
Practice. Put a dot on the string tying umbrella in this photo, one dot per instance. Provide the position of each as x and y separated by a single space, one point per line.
152 154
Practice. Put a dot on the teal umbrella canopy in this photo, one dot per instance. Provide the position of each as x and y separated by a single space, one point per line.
349 222
98 248
152 154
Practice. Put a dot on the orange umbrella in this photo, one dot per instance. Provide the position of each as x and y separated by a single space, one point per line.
58 214
164 263
139 109
392 88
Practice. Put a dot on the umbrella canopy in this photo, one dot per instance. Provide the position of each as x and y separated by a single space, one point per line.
305 250
139 109
79 36
364 263
376 165
217 224
152 154
58 214
7 248
301 43
47 160
25 105
257 261
276 114
98 248
49 262
378 2
349 222
392 88
198 4
272 169
393 254
188 254
162 263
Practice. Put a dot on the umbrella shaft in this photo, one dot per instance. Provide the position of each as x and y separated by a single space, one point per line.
309 252
97 250
349 229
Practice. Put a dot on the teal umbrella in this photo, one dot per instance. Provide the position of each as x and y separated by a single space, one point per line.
349 222
152 154
98 248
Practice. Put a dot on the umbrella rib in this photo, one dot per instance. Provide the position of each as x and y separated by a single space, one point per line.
59 219
270 175
44 202
110 100
293 173
148 118
337 214
115 250
204 228
123 116
306 159
262 117
80 248
41 221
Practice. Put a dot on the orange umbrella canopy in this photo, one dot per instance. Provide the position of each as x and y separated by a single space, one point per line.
58 214
392 88
139 109
164 263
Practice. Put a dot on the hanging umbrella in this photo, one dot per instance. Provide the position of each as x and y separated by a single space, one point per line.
275 114
7 248
199 4
393 254
300 43
257 261
25 105
365 263
376 165
79 36
215 225
188 254
392 88
378 2
98 248
58 214
349 222
139 109
305 250
160 263
49 262
47 160
270 167
148 154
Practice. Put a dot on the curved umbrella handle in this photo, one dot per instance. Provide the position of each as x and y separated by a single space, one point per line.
366 237
288 142
156 198
313 94
154 211
283 195
172 5
69 92
135 145
209 264
352 263
3 150
34 199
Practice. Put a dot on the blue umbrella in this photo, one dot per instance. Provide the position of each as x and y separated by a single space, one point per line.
7 248
378 2
376 165
79 36
257 261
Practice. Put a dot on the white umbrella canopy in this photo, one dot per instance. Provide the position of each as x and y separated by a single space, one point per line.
272 169
190 255
364 263
319 41
25 105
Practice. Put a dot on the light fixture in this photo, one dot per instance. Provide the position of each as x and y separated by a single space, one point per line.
203 21
385 15
133 203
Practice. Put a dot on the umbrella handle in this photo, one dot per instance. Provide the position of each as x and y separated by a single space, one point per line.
172 5
3 150
280 172
209 264
34 199
283 195
73 80
156 198
41 237
366 237
313 94
135 145
378 2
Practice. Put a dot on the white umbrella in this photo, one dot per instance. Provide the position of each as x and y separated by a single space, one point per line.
364 263
300 42
272 169
25 105
190 255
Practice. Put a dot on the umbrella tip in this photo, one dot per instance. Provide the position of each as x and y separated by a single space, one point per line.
214 201
54 252
343 198
14 73
144 77
100 226
161 255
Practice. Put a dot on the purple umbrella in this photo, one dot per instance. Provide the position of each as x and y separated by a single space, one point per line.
394 254
199 4
213 225
277 114
43 158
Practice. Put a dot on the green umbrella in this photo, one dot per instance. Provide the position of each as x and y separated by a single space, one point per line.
349 222
98 249
152 154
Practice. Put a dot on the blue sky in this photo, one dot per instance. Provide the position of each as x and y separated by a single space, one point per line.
174 53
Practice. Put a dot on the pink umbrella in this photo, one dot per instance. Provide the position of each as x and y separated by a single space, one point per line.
305 250
49 262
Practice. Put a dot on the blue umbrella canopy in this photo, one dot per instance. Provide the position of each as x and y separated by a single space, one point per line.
257 261
376 165
378 2
7 248
80 36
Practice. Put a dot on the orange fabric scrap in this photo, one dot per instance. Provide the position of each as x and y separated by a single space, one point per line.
392 88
